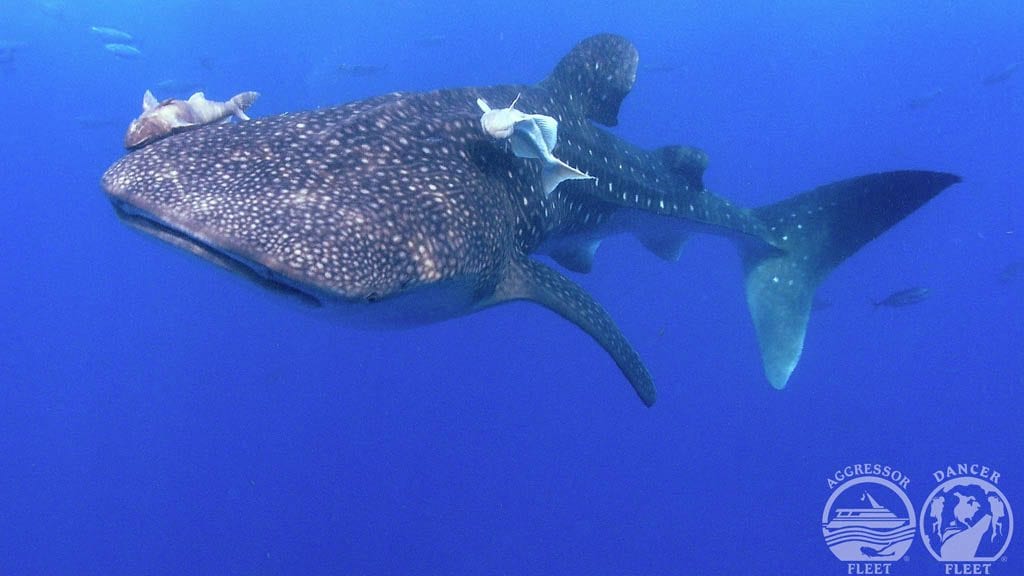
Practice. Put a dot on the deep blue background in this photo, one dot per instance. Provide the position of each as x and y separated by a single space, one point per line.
160 416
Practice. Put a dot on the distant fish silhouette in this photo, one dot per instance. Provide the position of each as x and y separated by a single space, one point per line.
360 70
433 41
112 34
123 51
179 86
55 9
1011 272
9 49
821 302
1003 75
904 297
658 68
924 100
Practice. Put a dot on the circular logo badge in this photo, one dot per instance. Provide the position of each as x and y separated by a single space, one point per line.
966 519
868 519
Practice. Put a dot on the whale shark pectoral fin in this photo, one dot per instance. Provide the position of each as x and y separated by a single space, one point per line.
529 280
556 172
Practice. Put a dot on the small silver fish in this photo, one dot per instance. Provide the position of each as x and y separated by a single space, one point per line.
161 119
123 51
1003 75
361 70
905 297
112 34
9 49
924 100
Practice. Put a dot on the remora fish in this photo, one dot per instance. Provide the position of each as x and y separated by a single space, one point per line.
361 70
123 51
1003 75
112 34
924 100
904 297
9 49
161 119
531 136
400 209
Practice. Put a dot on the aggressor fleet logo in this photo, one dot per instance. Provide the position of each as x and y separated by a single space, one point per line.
868 520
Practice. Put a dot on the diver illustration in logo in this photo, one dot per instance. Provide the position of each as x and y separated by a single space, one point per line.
868 519
966 520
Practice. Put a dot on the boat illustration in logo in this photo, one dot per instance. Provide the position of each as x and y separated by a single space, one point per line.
875 516
864 529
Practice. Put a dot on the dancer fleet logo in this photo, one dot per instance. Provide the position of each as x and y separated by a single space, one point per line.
966 521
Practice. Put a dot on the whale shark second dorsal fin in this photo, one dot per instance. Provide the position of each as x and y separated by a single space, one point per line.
686 161
596 75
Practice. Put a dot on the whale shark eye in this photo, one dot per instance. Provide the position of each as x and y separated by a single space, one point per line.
373 297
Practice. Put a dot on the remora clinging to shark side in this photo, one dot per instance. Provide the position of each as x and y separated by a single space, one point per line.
400 209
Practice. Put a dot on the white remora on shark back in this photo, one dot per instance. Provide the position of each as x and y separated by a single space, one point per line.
533 136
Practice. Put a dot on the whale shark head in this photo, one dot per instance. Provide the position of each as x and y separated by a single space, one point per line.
353 204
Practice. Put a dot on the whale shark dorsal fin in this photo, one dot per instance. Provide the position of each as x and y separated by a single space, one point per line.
525 279
595 77
197 97
149 101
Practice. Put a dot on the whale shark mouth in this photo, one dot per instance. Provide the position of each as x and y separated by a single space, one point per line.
248 269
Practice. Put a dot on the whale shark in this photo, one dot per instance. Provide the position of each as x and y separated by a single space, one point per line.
400 209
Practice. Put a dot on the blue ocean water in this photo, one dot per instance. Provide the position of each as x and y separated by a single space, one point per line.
161 416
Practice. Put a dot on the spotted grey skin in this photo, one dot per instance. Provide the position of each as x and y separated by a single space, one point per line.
400 209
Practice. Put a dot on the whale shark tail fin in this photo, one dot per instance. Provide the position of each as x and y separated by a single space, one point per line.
810 234
596 75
